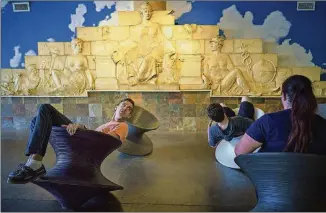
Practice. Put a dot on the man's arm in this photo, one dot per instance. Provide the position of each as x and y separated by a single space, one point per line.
121 131
213 141
114 135
209 136
118 131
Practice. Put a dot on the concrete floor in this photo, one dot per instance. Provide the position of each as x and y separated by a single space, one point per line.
181 175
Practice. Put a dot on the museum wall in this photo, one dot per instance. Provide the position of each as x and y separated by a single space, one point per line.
282 29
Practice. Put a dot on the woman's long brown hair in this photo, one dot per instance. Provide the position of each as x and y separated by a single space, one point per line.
297 90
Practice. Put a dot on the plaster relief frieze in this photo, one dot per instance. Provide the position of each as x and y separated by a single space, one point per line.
190 47
89 33
86 48
7 82
205 32
220 74
69 75
147 51
103 48
115 33
132 18
91 62
45 48
313 73
319 88
167 31
227 46
252 45
282 74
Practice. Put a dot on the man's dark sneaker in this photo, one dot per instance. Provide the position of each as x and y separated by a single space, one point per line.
19 167
24 174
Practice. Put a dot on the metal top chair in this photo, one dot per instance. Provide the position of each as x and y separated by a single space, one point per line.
224 152
321 110
286 181
140 122
76 176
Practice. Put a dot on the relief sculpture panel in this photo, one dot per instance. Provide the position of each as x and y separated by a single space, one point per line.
147 51
149 55
220 74
73 79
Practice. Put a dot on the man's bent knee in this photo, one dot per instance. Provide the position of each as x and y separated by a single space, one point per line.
44 108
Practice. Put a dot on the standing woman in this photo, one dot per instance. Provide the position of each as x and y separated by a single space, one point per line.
295 129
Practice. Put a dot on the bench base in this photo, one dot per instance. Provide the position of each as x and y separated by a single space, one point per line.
139 145
72 197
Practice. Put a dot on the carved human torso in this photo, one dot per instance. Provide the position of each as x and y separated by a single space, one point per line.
75 73
34 79
217 65
76 63
149 37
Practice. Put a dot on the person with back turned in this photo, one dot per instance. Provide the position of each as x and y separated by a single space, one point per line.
295 129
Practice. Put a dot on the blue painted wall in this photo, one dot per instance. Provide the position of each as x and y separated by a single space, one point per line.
51 20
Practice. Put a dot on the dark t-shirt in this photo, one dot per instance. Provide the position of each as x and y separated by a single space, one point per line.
237 126
274 129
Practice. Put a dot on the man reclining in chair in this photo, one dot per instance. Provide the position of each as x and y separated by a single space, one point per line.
228 125
40 131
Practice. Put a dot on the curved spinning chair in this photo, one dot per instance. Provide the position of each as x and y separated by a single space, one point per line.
290 182
76 176
321 110
224 152
138 143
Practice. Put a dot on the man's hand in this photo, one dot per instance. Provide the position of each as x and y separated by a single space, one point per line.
72 128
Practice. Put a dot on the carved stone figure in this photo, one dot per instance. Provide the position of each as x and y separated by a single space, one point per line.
77 68
7 83
144 61
169 72
246 57
50 73
21 82
264 71
76 77
45 76
30 81
220 73
190 28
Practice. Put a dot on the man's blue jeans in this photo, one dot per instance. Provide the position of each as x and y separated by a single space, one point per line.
40 129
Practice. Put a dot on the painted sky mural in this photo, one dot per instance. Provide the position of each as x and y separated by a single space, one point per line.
300 34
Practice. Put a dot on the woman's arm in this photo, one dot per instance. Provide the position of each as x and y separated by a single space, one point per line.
246 145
